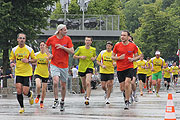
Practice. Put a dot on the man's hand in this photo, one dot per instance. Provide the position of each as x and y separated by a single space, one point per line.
93 58
103 66
25 60
58 46
83 57
130 59
12 65
121 57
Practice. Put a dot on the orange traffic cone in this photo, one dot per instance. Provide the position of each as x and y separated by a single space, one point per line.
170 110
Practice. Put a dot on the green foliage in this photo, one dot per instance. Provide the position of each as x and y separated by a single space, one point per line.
132 11
157 32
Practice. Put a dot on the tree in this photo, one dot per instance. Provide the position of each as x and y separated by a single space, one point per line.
133 10
27 16
156 31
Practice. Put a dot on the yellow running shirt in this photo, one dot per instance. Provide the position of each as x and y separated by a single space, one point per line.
141 67
85 63
135 63
167 72
157 64
105 58
175 70
42 65
17 54
148 70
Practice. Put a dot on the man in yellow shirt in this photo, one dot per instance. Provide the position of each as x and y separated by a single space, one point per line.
175 71
157 65
21 57
167 76
86 55
149 76
106 64
141 73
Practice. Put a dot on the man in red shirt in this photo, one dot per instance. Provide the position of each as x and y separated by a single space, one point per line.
61 46
125 53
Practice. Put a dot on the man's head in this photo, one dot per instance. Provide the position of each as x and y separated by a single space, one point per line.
61 29
109 46
42 45
174 63
21 38
125 36
88 41
157 53
142 57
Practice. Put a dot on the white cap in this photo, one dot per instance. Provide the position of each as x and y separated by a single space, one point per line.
157 53
59 27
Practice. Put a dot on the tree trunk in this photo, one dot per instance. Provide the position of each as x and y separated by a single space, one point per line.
5 64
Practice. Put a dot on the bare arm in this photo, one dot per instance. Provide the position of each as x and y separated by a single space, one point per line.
68 50
100 64
117 58
79 57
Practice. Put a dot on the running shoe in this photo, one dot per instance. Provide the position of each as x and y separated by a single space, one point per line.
107 101
31 99
126 107
141 93
87 101
157 95
62 106
41 105
56 103
36 100
144 86
21 110
154 90
135 98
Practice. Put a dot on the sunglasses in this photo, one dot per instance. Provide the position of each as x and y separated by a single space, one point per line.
21 37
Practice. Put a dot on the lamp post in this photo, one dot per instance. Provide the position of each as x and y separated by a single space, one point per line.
64 6
83 7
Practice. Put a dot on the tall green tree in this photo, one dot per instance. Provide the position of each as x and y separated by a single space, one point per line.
27 16
133 10
156 32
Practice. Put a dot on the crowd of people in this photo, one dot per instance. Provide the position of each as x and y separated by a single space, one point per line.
125 56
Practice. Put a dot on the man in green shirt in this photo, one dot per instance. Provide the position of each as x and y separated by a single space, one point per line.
86 55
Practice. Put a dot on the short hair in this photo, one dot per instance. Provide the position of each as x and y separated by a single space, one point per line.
42 42
126 32
109 42
19 34
89 37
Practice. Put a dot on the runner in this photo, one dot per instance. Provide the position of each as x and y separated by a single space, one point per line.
21 57
41 73
157 64
133 82
149 76
86 55
61 46
106 64
175 71
123 54
167 76
141 73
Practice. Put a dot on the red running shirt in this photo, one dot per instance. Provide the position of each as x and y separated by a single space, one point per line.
129 50
60 56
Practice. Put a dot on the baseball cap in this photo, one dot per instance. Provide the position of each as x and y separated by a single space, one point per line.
109 42
157 53
59 27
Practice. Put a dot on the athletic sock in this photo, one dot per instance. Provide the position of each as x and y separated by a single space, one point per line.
29 94
20 100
